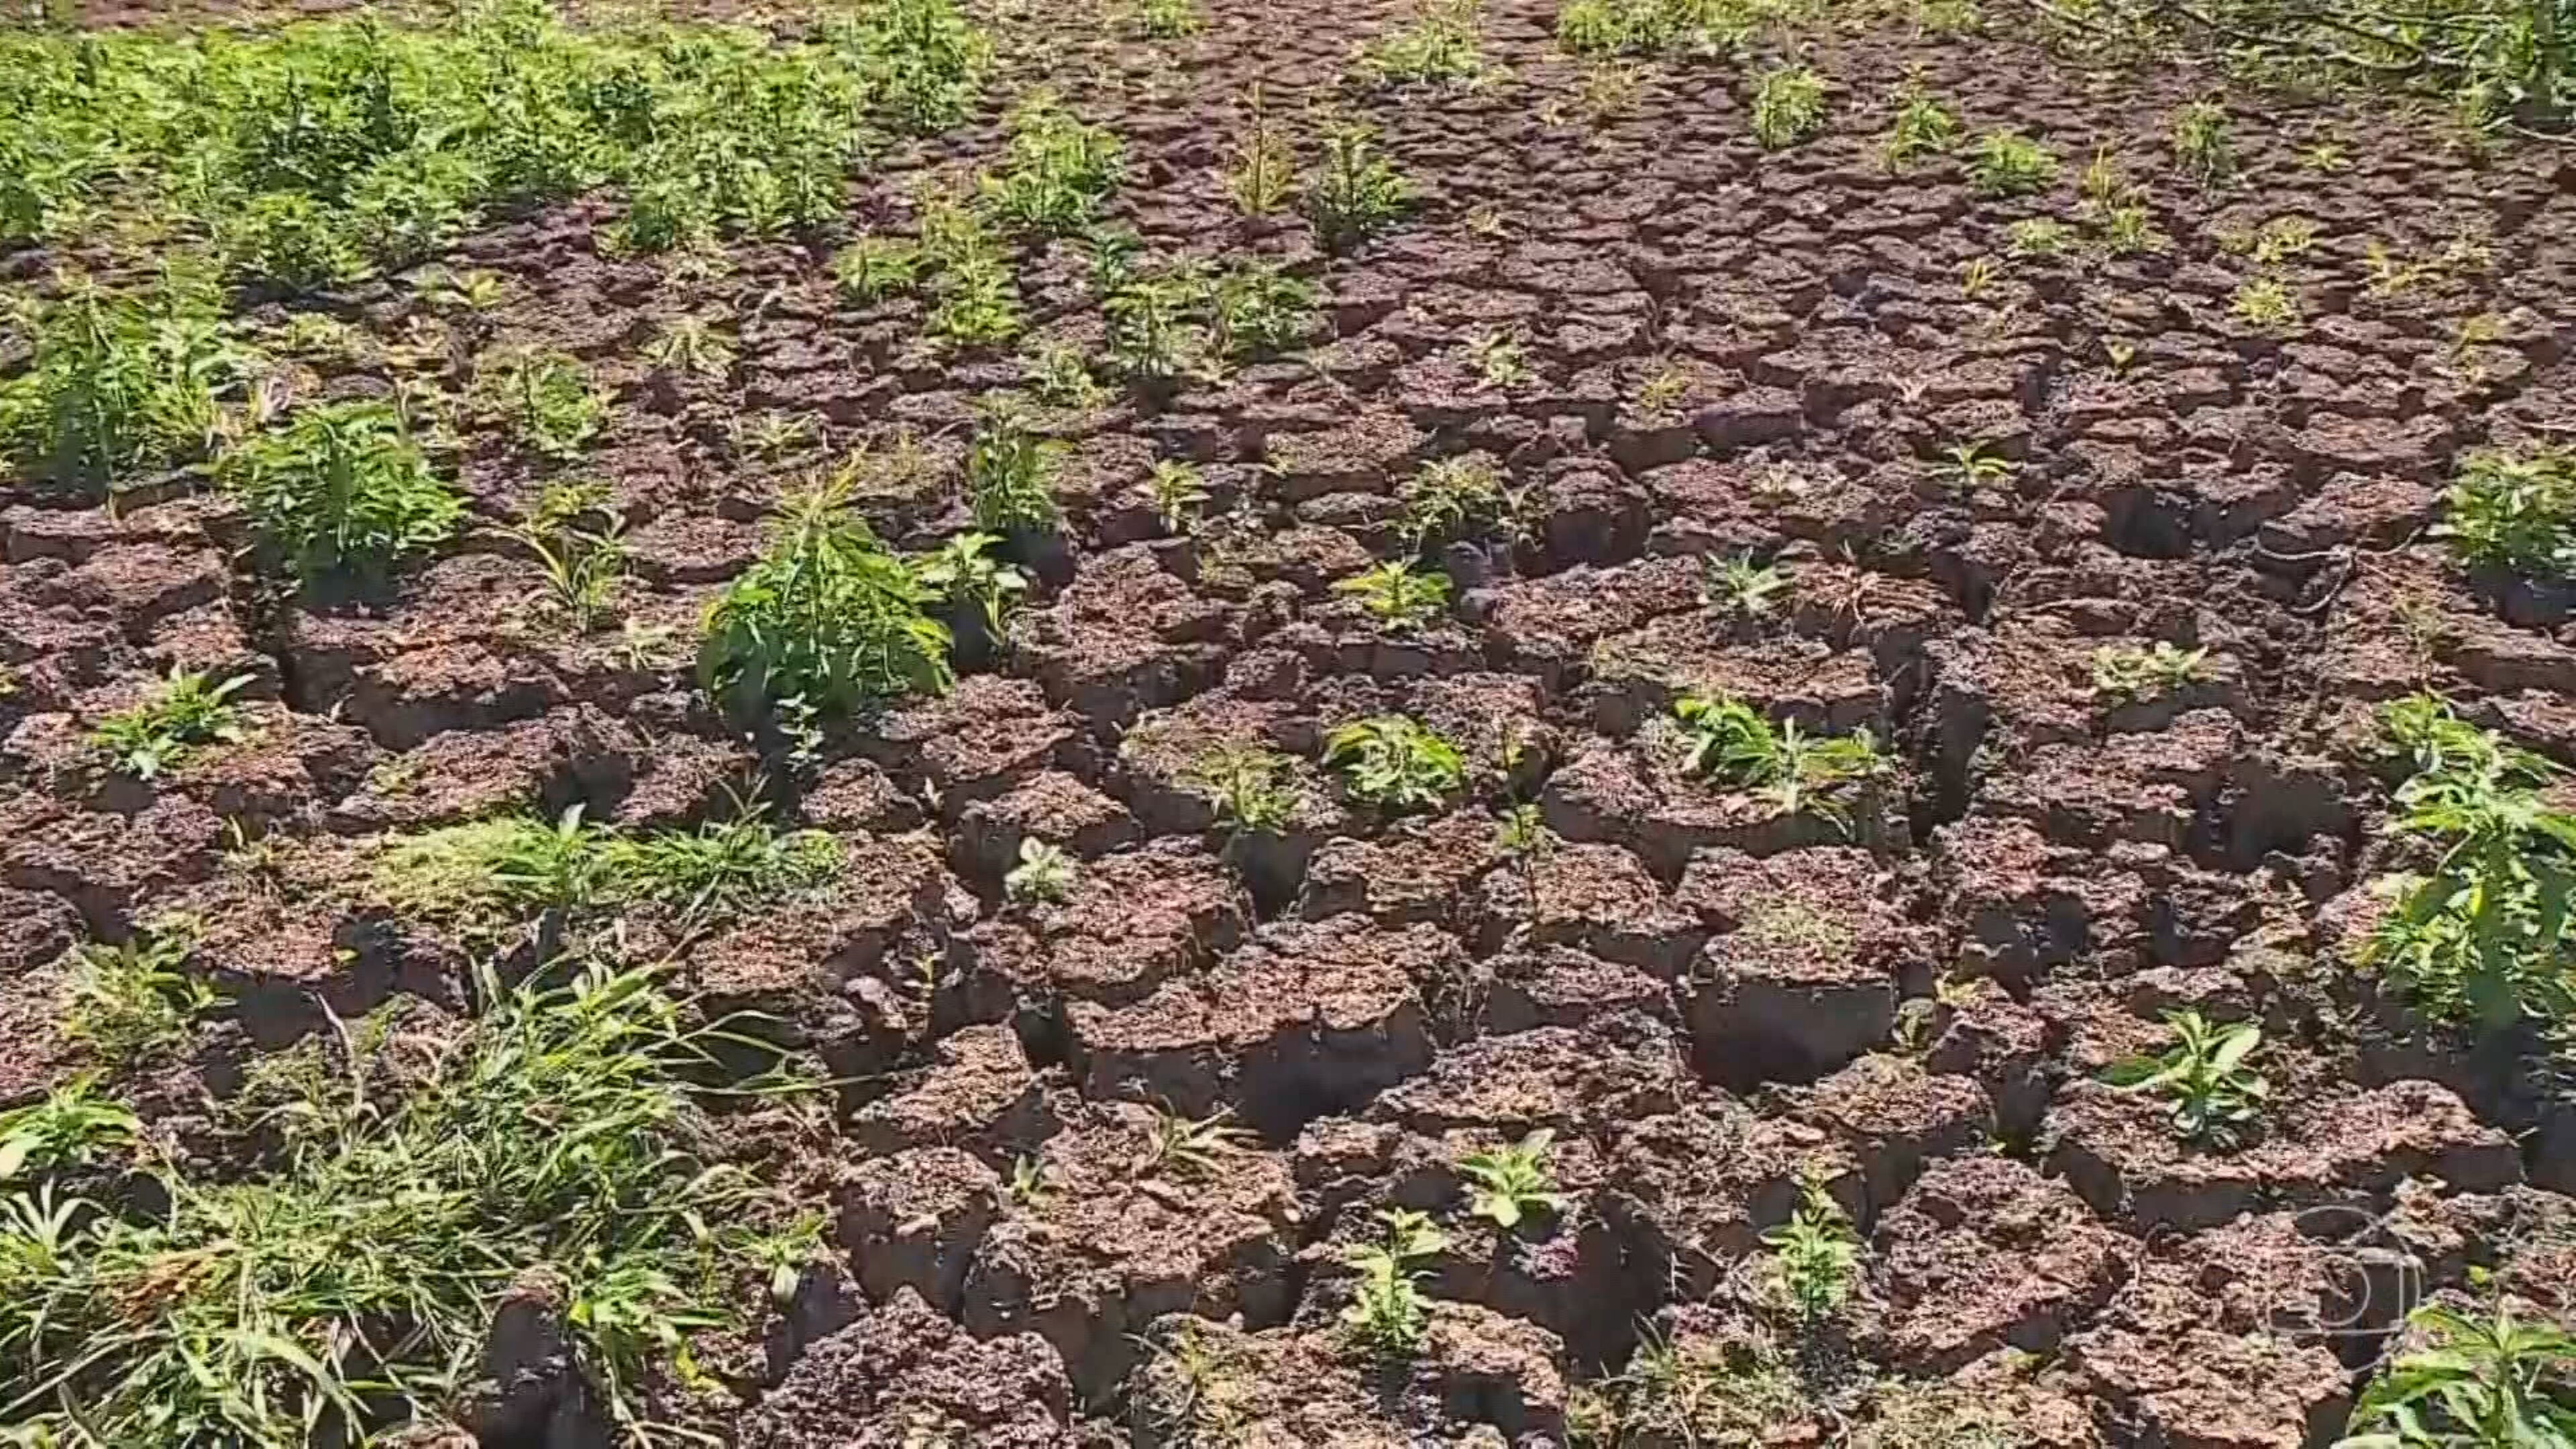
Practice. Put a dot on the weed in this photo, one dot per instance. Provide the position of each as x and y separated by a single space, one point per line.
1162 19
157 734
2215 1096
827 616
1391 762
2483 939
577 539
1923 127
1010 475
722 868
964 570
1814 1255
1152 336
2125 673
1253 789
1258 310
2007 163
1397 595
342 486
1179 491
1045 873
1029 1187
1507 1184
1977 277
2282 238
1651 27
2514 511
1661 394
117 385
1263 171
1196 1394
1735 745
2126 231
547 401
1191 1149
2264 302
2202 148
1498 359
1386 1315
2036 236
1788 106
488 874
1439 45
2327 157
1057 170
1447 497
1740 588
1354 192
873 268
1699 1391
70 1126
923 59
769 436
2475 1383
558 1130
1969 467
690 347
1060 376
135 999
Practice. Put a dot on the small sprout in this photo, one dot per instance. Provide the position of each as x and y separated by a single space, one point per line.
2327 157
131 1000
2266 303
1449 495
1010 476
1162 19
2124 673
691 347
1523 834
1045 873
70 1127
2119 355
1977 277
1179 491
2201 145
1178 1147
1735 745
578 541
1391 762
548 402
873 268
2036 236
2215 1096
1440 46
2282 238
1387 1315
1788 106
1663 390
1969 467
1354 192
1029 1186
2104 184
1498 359
185 712
1923 127
1253 789
965 570
1060 376
1508 1184
2007 163
1397 595
2125 231
1814 1255
1738 586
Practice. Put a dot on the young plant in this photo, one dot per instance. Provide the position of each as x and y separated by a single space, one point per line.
342 486
70 1126
2036 237
1737 746
1397 595
1254 790
1788 106
1498 359
1508 1184
2201 147
1387 1315
690 347
1191 1150
2473 1383
2125 673
116 385
1395 764
1010 476
1447 497
965 571
1060 376
131 1000
2264 302
157 734
1257 310
1354 192
1152 336
2007 163
725 868
578 541
1814 1255
1740 588
1163 19
1923 127
873 268
2216 1097
491 875
1179 491
1045 873
1439 46
1263 171
827 617
2513 511
547 401
1057 170
1970 467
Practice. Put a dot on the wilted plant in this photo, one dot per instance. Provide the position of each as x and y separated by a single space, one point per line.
2007 163
1814 1255
1788 105
1354 192
1393 763
1398 595
189 709
2125 672
1045 873
1743 588
1737 746
342 486
2201 147
1386 1314
827 617
2513 511
1508 1184
2216 1097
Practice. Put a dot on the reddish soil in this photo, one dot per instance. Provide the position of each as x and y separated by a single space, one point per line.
1375 999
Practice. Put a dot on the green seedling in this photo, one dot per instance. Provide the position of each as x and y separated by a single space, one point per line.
2037 237
1180 492
547 401
71 1126
1740 588
1449 496
1923 127
1395 764
579 543
2007 163
1191 1150
1262 173
1440 45
873 268
2124 673
1509 1184
690 347
188 710
964 570
2216 1097
1354 192
136 999
1010 476
1397 595
1045 874
1254 790
1057 170
1736 746
1971 467
1814 1256
343 487
1387 1315
2513 511
2265 302
1788 106
2202 148
2473 1383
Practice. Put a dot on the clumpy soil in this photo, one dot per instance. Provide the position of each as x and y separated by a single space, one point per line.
1911 1006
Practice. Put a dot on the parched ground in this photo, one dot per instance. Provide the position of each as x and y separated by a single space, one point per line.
1729 351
